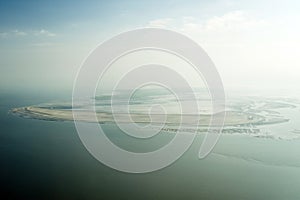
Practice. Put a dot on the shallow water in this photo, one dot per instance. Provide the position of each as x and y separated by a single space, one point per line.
42 159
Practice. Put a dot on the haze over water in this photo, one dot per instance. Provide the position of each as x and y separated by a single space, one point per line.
255 47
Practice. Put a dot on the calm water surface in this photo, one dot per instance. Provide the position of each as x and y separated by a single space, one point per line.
46 160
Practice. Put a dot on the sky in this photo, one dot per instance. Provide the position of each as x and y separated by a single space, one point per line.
254 44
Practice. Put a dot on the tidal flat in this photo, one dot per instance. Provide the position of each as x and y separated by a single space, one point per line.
254 116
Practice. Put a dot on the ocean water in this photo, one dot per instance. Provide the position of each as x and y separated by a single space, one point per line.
46 160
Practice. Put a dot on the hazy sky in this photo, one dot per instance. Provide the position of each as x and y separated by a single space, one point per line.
253 43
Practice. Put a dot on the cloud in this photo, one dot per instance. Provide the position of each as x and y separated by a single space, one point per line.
3 34
18 33
44 32
160 23
43 44
234 21
12 33
236 41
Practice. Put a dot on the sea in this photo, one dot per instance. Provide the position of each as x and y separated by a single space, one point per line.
46 160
